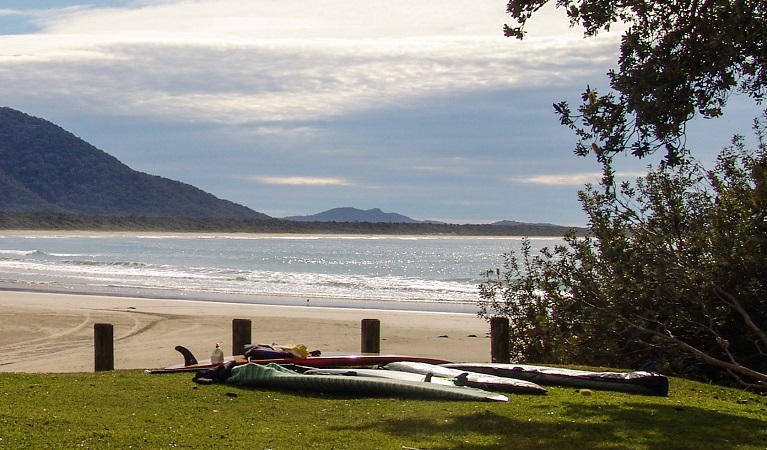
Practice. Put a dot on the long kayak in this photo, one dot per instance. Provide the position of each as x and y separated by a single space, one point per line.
637 382
276 376
469 378
327 360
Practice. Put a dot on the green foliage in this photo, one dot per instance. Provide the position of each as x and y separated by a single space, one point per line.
677 59
675 270
60 221
127 409
511 293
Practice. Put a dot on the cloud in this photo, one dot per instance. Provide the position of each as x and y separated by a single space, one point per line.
278 80
299 19
575 179
263 61
303 181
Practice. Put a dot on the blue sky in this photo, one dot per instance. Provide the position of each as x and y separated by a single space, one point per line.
293 107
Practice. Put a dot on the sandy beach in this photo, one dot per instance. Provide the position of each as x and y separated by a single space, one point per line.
45 332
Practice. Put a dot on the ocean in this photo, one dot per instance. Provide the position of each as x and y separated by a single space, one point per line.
384 272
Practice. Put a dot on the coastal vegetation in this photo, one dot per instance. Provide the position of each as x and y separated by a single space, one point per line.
678 60
128 409
41 221
673 269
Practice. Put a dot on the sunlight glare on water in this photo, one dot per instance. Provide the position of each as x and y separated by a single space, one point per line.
422 269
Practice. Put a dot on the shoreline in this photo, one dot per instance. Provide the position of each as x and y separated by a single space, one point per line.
53 331
250 299
261 234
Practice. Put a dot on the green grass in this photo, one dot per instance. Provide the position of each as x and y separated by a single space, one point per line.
128 409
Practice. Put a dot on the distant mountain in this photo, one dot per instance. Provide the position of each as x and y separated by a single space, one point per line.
514 223
354 215
375 215
44 168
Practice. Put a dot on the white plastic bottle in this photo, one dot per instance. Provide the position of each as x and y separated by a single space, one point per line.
217 357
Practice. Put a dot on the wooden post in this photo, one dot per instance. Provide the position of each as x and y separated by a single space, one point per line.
240 335
499 340
371 336
103 340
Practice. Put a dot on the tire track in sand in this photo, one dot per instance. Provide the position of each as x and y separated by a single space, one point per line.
52 343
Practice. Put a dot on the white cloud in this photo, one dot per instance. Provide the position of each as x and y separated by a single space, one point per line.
288 131
300 19
560 180
277 80
267 60
575 179
303 181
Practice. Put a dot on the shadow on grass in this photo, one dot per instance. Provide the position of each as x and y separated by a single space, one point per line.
575 425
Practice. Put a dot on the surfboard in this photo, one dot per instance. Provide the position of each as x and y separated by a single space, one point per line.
638 382
326 360
382 373
276 376
469 378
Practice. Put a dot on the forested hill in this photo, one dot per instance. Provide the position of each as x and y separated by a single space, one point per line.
63 222
44 168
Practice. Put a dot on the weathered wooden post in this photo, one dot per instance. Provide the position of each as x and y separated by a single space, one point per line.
499 340
103 340
240 335
370 341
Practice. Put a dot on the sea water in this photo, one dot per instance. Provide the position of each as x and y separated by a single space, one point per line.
418 273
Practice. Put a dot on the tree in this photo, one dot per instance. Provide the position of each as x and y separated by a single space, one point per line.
678 59
675 270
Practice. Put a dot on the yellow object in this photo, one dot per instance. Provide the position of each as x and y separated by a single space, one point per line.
299 350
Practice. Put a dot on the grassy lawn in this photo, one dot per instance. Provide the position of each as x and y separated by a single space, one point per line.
129 409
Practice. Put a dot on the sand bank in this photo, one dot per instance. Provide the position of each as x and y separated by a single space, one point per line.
43 332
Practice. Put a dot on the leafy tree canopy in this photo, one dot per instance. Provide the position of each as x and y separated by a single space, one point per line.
675 271
678 58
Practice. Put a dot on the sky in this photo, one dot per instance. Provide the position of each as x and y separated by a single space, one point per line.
294 107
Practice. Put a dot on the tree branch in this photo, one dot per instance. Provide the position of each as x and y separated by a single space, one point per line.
732 300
